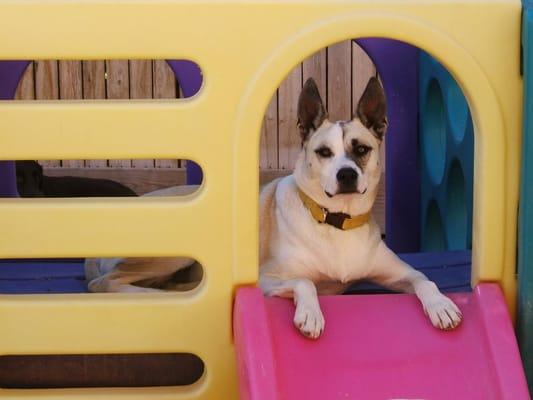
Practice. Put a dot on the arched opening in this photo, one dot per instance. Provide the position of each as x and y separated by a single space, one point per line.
424 206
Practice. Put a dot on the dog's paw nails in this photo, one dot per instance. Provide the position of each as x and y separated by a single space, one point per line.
309 321
443 313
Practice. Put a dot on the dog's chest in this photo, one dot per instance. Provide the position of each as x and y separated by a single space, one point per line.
322 252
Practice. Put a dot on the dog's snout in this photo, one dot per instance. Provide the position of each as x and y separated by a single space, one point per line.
347 176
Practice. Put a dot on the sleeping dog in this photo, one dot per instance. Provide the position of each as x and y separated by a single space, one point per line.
316 232
31 182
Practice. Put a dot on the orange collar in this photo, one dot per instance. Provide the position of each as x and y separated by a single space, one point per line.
338 220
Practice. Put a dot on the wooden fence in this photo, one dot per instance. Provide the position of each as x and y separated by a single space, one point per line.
341 72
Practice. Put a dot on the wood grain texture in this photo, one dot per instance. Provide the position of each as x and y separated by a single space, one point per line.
164 87
269 136
47 88
94 82
362 70
141 88
71 88
94 88
289 136
339 81
118 87
315 67
26 87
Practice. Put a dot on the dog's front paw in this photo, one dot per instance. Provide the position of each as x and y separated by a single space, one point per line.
309 320
443 312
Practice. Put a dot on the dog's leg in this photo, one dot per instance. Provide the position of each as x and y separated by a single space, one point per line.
109 283
125 274
391 272
308 317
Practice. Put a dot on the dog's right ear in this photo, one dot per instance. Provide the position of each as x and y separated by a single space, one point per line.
311 110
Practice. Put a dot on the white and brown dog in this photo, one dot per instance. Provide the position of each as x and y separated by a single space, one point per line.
317 235
316 232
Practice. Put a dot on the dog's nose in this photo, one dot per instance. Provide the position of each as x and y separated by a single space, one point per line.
347 176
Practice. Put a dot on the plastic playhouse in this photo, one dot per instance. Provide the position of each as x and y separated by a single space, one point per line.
454 88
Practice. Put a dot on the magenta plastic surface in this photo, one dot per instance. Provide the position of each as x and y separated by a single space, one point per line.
378 347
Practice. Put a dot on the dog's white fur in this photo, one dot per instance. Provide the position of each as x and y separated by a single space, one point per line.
299 257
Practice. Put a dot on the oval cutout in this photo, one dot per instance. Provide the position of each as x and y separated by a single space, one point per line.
457 111
100 79
99 370
433 132
456 212
74 276
433 238
103 178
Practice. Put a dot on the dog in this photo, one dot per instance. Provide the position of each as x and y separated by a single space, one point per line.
31 182
316 232
145 274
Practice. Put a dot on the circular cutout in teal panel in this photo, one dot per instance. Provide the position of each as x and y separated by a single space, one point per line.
433 132
456 215
433 239
457 109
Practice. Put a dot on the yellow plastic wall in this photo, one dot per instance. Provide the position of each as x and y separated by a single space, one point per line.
245 49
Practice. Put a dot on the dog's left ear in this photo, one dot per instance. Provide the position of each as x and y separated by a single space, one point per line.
372 108
311 110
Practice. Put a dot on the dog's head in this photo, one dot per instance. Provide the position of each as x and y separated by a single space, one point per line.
341 158
29 178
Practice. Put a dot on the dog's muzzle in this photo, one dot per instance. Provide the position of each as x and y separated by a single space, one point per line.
347 180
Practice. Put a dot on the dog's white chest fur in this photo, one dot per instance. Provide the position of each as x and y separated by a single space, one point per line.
316 251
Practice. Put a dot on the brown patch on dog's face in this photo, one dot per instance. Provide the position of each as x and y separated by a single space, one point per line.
360 152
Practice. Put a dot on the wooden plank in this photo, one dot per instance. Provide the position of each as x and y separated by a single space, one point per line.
47 88
70 80
269 136
26 87
339 81
289 136
117 85
94 83
70 88
94 87
164 81
141 88
363 69
315 67
164 87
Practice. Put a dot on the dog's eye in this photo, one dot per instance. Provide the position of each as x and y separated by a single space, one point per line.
362 150
324 152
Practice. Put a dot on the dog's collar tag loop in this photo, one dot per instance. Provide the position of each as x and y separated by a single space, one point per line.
338 220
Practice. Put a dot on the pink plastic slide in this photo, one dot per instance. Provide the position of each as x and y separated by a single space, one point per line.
378 347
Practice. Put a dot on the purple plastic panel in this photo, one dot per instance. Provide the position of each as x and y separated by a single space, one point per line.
8 179
397 65
190 79
10 74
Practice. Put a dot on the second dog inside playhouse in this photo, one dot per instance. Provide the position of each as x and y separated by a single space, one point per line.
424 206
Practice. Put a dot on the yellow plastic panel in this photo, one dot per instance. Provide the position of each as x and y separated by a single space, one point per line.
245 48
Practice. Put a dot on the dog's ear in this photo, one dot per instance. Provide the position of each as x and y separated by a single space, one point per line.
311 110
372 108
